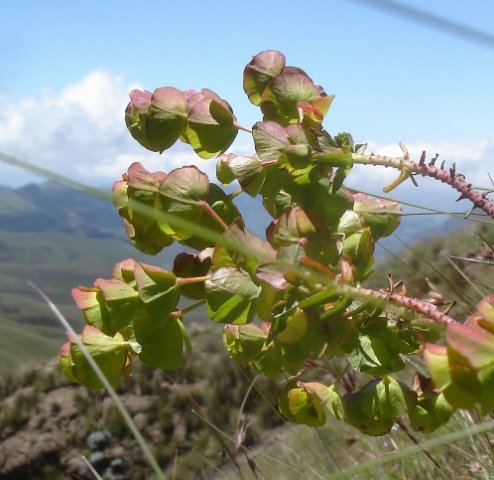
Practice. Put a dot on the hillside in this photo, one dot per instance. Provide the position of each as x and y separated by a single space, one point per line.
58 238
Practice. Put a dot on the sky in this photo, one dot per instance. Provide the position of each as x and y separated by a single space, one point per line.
68 68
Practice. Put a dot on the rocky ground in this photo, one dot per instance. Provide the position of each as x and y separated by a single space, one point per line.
50 429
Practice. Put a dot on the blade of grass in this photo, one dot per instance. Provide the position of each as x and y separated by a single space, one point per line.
465 277
428 209
91 468
467 300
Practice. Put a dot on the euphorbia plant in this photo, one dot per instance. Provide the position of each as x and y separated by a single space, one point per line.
293 302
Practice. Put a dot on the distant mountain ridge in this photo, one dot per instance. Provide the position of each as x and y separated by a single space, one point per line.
51 206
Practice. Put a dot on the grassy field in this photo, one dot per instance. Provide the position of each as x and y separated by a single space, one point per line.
22 345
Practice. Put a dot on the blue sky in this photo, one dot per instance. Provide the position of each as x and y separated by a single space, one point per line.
69 65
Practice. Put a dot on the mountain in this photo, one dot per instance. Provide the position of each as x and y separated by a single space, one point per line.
58 238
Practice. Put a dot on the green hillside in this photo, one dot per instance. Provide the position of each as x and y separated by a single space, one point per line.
58 238
20 345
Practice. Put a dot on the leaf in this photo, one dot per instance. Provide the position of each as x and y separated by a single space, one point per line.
249 172
260 72
224 173
328 396
186 185
229 295
161 339
273 286
136 197
301 405
270 140
333 152
359 247
339 177
254 252
373 355
157 288
124 270
167 117
375 407
317 197
430 413
110 353
138 178
244 343
66 363
292 327
210 126
91 302
121 301
483 316
440 361
280 100
381 215
475 345
180 194
188 265
296 159
156 120
108 317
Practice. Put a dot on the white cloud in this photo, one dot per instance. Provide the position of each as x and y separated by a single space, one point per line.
80 132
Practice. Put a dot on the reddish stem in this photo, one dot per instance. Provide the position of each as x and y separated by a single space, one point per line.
419 306
210 211
189 280
448 176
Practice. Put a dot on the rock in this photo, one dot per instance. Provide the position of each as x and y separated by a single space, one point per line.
98 440
98 460
121 464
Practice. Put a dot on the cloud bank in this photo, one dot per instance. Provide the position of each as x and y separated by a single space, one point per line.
80 132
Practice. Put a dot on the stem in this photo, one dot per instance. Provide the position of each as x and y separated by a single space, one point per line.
318 270
184 311
210 211
424 308
235 194
448 176
242 127
190 280
403 426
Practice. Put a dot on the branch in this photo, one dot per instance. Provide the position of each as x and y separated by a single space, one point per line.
448 176
242 127
322 273
424 308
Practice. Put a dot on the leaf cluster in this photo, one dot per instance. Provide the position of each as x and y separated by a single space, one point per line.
289 302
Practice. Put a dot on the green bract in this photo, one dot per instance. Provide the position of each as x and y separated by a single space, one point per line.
202 119
293 301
